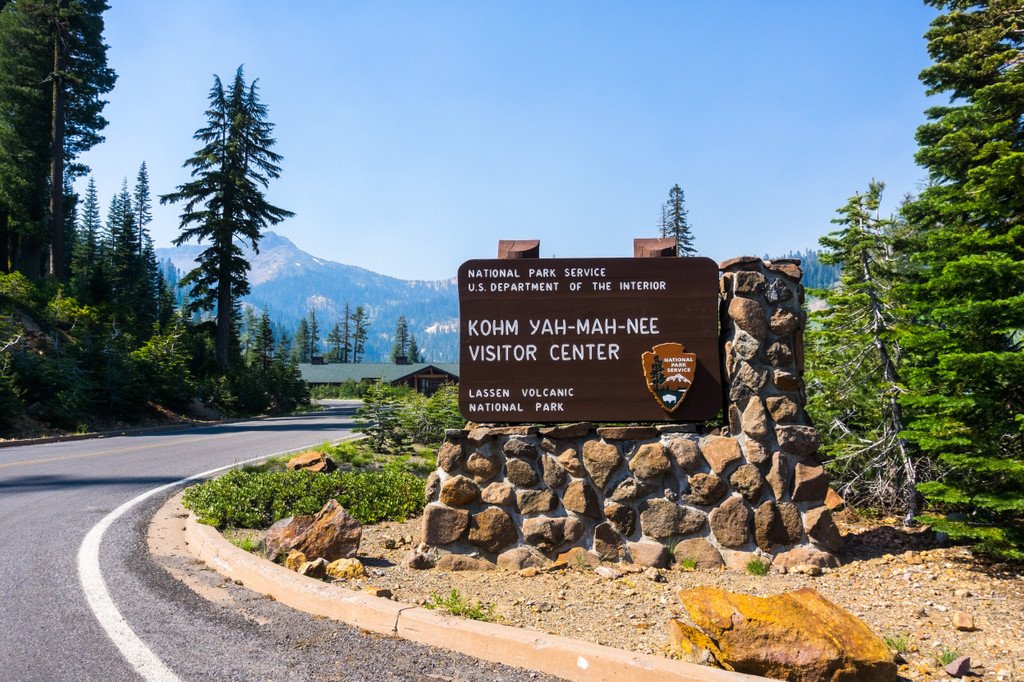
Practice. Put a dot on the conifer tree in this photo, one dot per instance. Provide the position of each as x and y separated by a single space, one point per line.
334 341
300 346
854 356
224 203
87 251
314 334
400 347
346 335
415 356
675 222
965 360
359 333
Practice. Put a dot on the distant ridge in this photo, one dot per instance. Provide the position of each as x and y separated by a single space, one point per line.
288 282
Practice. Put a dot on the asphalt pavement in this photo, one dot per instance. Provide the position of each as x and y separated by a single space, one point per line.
52 495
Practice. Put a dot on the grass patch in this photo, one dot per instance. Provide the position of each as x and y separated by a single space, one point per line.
457 605
245 542
947 656
690 565
256 499
899 644
757 567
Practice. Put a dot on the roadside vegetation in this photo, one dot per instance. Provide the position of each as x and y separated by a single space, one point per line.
379 477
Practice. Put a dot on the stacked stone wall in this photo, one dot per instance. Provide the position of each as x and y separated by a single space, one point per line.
752 486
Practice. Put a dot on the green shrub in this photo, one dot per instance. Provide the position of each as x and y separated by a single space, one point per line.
457 605
757 567
256 499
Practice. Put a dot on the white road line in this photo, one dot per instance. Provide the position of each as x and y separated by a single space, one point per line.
138 655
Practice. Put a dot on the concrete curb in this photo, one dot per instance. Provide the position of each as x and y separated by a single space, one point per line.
560 656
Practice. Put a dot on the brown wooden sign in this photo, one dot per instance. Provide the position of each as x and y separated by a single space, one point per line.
608 339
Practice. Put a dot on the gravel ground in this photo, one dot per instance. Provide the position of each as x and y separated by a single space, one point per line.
902 584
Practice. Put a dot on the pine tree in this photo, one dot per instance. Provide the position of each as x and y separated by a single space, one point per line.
142 205
675 222
225 202
87 251
263 343
415 356
300 346
346 335
965 359
854 355
400 347
314 335
334 340
359 333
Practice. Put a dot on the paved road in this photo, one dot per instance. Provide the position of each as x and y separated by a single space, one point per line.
52 495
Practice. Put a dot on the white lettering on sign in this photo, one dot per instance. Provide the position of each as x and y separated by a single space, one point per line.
493 327
503 352
584 351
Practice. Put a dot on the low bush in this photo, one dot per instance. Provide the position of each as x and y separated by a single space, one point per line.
256 499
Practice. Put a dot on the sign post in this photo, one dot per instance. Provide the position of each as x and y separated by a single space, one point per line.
598 339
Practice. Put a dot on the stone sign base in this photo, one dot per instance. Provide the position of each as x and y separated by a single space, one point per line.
628 493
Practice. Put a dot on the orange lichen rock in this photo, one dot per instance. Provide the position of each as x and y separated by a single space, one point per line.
796 635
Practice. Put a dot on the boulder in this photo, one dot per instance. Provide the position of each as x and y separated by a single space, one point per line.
749 317
749 282
746 381
804 555
778 476
731 522
498 493
554 474
686 454
333 534
661 518
311 461
294 560
782 408
314 569
461 562
834 501
578 557
285 534
450 457
601 461
796 635
516 447
745 346
630 489
705 489
608 544
443 525
535 501
580 497
791 523
778 291
747 481
432 488
622 516
650 461
821 529
519 558
779 354
701 552
345 569
520 473
810 483
784 322
577 430
483 466
492 529
787 381
570 461
458 491
547 534
796 439
646 553
755 420
755 452
720 452
627 432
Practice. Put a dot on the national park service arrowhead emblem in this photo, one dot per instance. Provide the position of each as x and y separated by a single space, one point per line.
669 371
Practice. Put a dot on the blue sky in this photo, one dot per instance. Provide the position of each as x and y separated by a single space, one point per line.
418 134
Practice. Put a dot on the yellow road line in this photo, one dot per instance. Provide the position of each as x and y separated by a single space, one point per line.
101 453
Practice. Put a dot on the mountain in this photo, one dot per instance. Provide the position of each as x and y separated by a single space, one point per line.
288 282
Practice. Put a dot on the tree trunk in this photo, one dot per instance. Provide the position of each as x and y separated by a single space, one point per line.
60 49
223 338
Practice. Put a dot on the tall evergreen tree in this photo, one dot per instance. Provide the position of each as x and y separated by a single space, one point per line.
854 358
225 202
334 341
314 334
966 363
359 332
300 346
142 205
414 350
675 222
346 335
400 347
87 252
